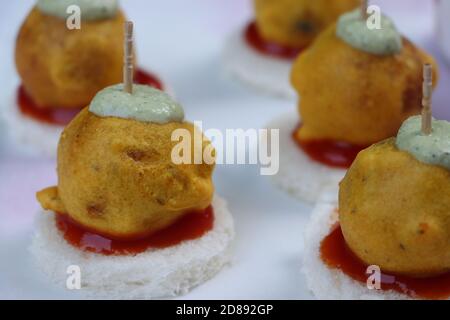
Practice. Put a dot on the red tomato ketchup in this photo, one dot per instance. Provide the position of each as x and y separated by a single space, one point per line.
143 77
337 154
53 116
62 116
190 227
257 42
337 255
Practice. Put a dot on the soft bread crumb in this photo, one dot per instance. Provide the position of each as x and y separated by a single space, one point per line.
264 73
31 136
153 274
300 176
327 283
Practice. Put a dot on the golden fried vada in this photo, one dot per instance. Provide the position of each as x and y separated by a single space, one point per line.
116 175
63 68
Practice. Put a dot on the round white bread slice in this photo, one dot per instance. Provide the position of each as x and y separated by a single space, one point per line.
298 174
266 74
327 283
28 135
152 274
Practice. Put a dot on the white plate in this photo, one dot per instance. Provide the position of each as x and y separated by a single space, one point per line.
266 74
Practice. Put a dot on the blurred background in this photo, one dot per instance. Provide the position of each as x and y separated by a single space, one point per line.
182 41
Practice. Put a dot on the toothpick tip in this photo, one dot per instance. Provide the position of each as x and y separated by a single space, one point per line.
426 100
364 6
427 71
128 27
128 70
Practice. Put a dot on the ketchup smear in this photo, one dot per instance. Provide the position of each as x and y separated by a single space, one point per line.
337 154
336 254
191 226
257 42
62 116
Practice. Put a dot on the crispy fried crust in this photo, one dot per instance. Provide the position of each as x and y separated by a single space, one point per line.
49 200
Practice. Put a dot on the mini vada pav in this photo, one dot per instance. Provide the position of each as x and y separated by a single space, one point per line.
123 204
261 55
61 68
394 217
356 86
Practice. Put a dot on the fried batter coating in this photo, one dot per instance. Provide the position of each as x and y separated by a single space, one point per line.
353 96
296 23
116 176
395 212
65 68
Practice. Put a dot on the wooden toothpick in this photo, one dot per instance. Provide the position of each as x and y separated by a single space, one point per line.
128 68
364 6
426 100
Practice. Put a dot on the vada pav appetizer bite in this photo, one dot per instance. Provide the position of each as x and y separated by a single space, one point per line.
356 86
62 67
261 54
391 232
136 223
